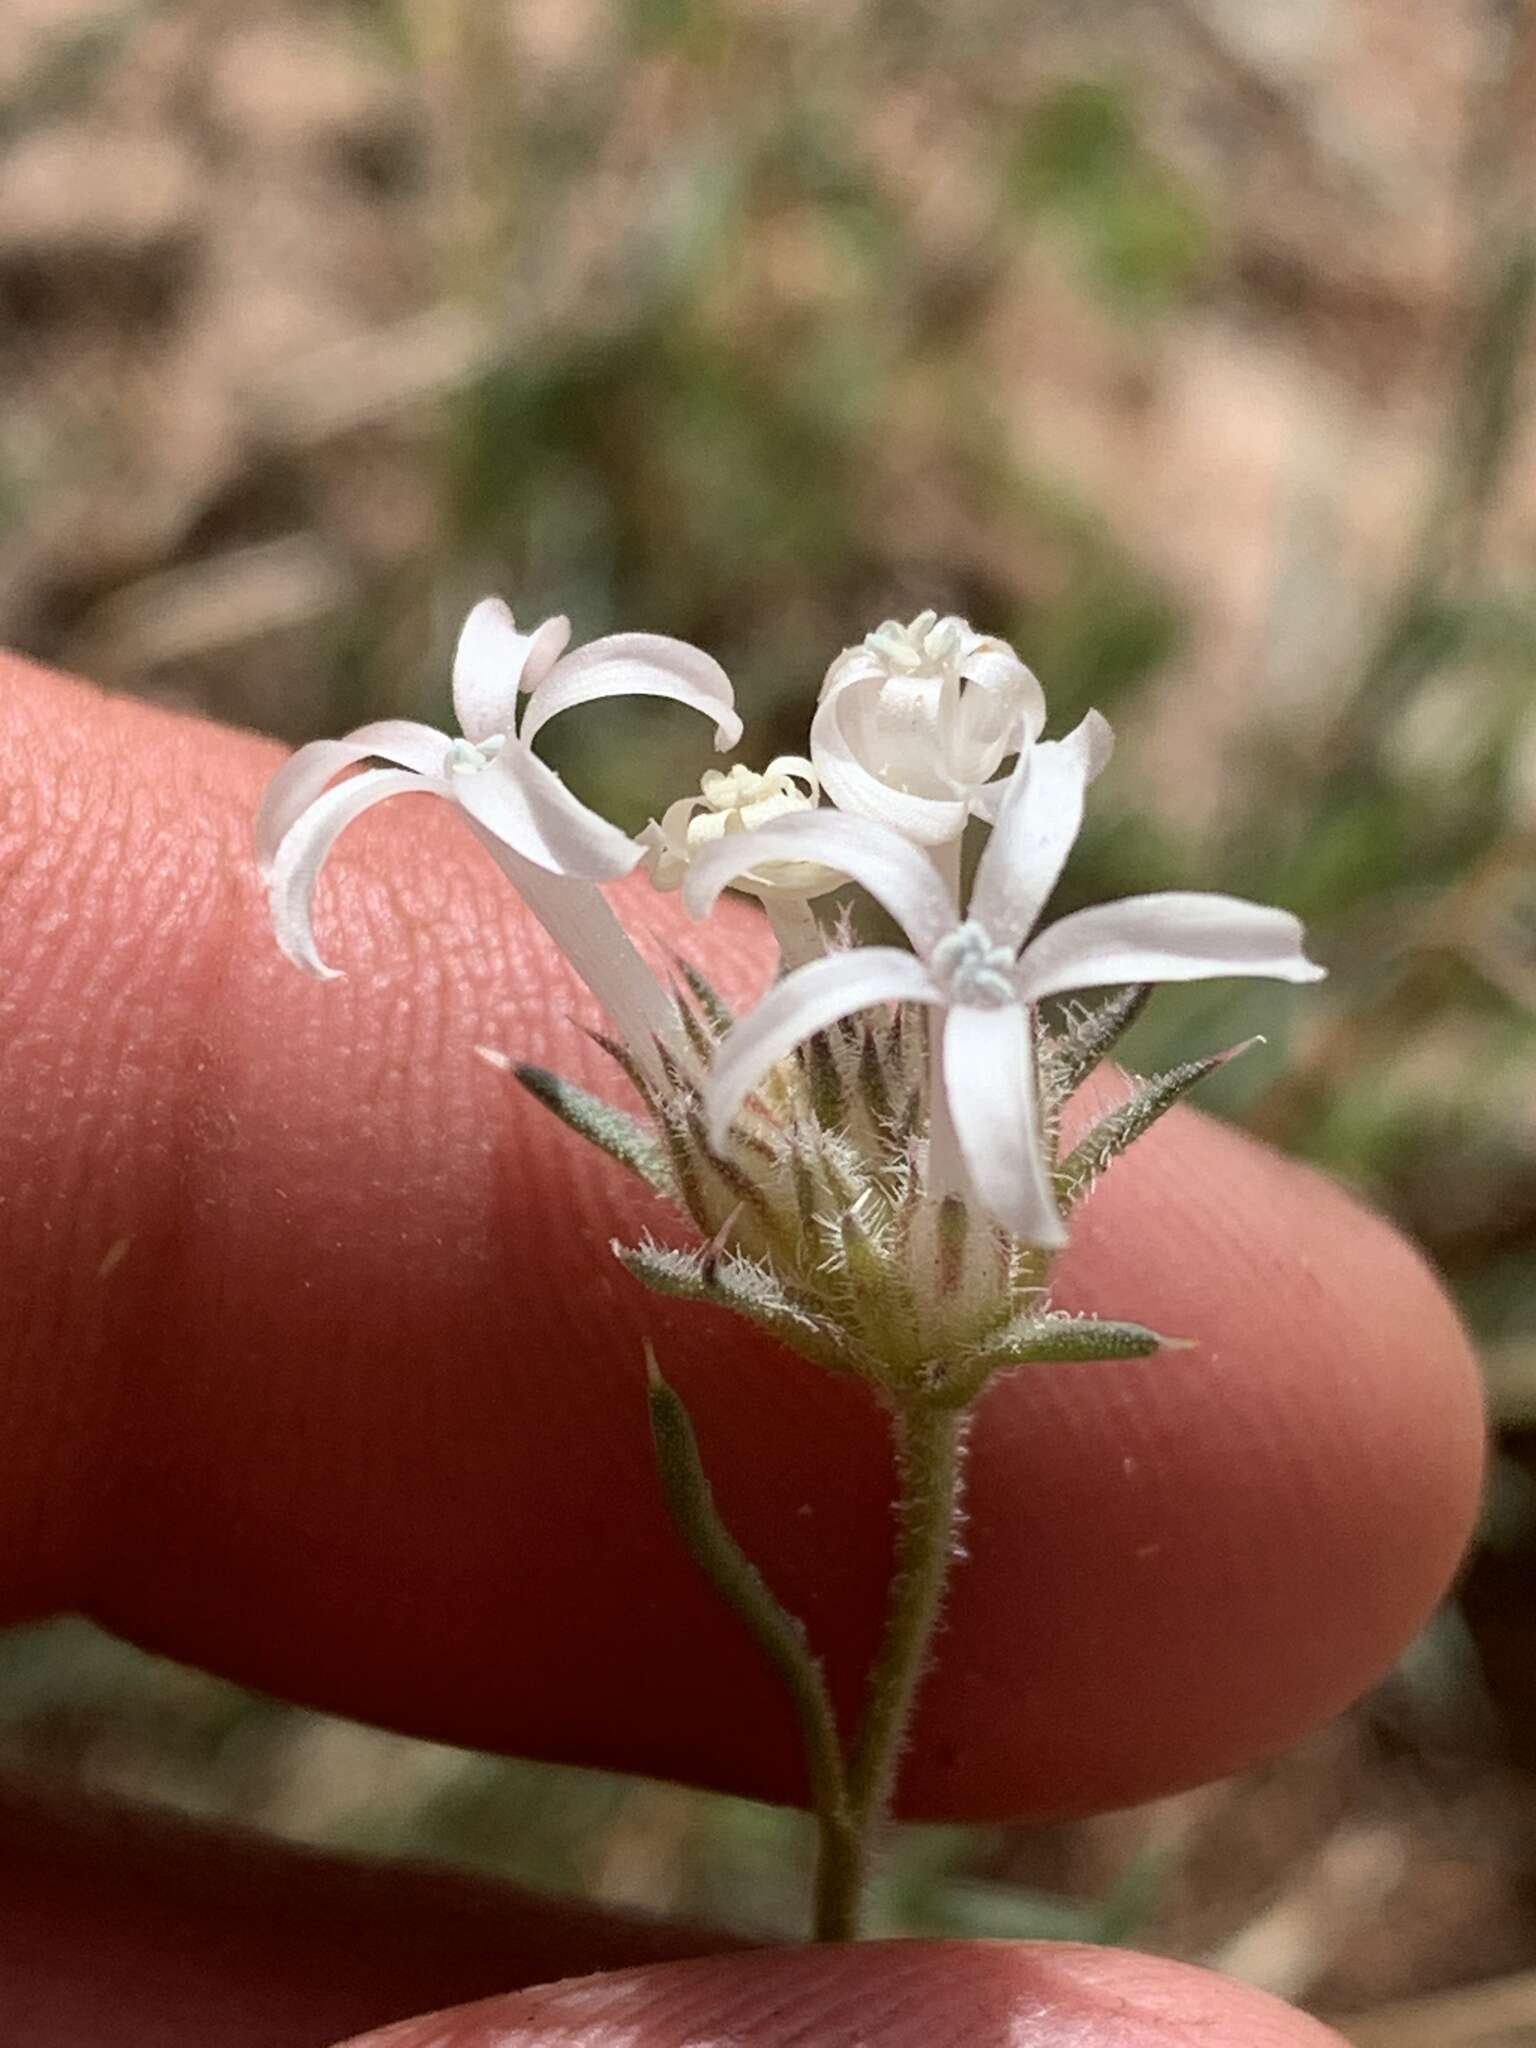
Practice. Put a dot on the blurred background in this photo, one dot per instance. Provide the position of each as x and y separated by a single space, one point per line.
1187 344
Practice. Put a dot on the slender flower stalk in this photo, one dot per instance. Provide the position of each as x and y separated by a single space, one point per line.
930 1454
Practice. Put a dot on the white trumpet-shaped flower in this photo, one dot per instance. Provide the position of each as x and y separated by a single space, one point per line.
739 799
491 772
913 725
976 972
551 846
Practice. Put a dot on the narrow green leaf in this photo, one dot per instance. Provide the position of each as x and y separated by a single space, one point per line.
828 1099
1047 1340
627 1065
872 1083
717 1012
1091 1036
746 1289
739 1182
779 1634
695 1029
1122 1126
612 1130
672 1122
1069 1340
804 1180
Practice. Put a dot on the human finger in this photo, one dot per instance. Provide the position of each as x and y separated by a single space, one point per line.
912 1994
317 1370
121 1924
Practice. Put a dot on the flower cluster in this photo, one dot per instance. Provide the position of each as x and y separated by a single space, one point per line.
872 1155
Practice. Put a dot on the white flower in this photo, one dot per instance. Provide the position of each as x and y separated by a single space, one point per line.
740 800
518 805
977 973
913 725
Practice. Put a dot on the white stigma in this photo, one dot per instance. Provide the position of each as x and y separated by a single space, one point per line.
971 967
468 757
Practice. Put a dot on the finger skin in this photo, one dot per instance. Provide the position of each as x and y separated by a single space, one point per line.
911 1994
317 1370
126 1926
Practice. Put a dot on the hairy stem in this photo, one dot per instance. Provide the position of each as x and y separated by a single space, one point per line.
930 1451
852 1799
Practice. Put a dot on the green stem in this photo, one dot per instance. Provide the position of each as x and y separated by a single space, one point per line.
852 1800
781 1637
930 1452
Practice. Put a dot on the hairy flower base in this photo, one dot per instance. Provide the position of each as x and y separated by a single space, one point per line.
816 1219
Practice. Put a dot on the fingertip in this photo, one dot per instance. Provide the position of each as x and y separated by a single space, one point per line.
915 1994
1256 1521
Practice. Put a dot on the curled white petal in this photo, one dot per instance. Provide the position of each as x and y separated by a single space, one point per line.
665 839
1173 936
307 845
637 665
989 1078
993 665
925 820
793 1009
998 711
796 768
522 802
1037 825
493 661
897 874
306 773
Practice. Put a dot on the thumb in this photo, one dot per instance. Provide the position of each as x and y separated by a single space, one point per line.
908 1994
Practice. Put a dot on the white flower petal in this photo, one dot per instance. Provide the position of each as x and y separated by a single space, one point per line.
1174 936
580 920
665 841
305 774
307 844
992 665
801 1004
493 661
989 1078
925 820
637 665
897 874
796 768
523 803
859 664
944 1171
1037 823
988 801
